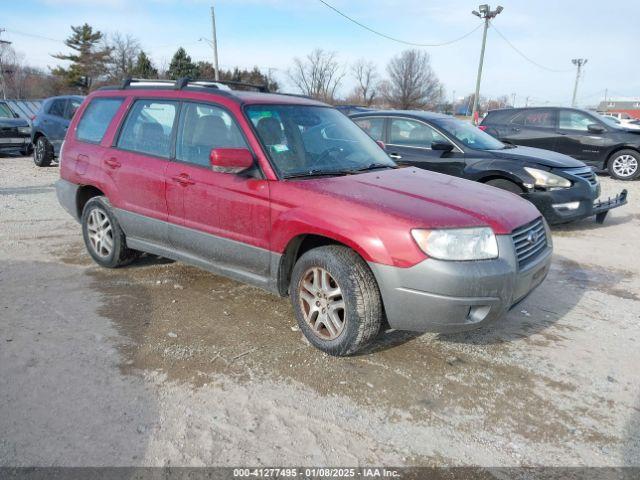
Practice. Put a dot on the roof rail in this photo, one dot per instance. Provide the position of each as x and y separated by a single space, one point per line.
184 82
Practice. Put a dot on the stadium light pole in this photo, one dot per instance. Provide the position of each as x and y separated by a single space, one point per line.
484 12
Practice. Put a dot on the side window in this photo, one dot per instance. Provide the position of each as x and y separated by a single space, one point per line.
96 119
373 126
57 108
571 120
148 127
411 133
202 128
534 118
72 107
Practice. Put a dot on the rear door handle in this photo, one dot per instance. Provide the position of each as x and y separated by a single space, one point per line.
183 179
112 163
395 156
514 129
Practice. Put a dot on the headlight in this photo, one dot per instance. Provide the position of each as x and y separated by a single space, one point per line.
458 244
26 130
547 179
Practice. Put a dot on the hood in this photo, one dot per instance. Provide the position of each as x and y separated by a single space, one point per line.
416 198
13 122
539 156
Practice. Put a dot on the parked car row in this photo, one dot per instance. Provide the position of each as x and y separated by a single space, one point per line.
288 194
562 188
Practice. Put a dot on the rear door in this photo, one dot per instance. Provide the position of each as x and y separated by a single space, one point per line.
221 218
373 126
410 144
532 128
137 166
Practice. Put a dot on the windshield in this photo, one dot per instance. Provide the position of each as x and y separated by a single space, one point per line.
306 141
5 111
611 121
469 135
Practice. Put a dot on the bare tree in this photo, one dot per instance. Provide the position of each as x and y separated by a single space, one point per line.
412 82
124 53
366 75
318 75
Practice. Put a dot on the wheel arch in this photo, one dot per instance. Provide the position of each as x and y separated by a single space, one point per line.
296 247
83 195
619 149
502 176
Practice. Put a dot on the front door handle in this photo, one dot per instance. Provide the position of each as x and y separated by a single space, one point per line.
183 179
112 163
395 156
514 129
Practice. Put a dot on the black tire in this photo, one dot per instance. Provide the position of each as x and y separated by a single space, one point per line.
363 312
42 152
119 254
25 152
504 184
615 165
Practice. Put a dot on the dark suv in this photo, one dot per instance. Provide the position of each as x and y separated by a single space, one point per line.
563 189
50 126
14 131
288 194
581 134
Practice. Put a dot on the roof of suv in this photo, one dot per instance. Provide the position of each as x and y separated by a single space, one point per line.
214 88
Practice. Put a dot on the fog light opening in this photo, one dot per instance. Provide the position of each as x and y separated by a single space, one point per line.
478 313
566 206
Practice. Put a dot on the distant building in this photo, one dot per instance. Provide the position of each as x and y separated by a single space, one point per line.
629 107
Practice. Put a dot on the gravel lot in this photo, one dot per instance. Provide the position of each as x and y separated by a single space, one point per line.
160 363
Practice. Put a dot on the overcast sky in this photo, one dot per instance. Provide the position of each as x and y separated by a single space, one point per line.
269 33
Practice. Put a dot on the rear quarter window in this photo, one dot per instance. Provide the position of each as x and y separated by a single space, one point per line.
96 119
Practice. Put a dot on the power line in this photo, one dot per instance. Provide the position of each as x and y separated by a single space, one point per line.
528 59
41 37
388 37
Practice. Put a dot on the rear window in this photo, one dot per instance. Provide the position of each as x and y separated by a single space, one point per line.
96 119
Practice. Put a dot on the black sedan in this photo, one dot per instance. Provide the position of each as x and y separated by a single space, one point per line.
579 133
563 188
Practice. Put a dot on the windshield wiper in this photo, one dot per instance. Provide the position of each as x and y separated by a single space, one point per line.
317 173
372 166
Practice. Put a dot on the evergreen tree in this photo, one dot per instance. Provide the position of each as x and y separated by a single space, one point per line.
89 58
182 66
143 67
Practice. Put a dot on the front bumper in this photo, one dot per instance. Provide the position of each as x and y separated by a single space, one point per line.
450 296
14 142
552 203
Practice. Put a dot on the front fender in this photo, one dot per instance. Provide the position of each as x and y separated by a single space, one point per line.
373 245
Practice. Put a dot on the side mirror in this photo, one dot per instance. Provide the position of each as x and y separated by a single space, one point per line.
595 128
230 160
441 146
381 144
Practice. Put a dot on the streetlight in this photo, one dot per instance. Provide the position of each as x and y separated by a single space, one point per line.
578 62
484 11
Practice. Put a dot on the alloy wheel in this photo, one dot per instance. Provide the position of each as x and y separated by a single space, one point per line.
100 233
625 165
322 303
39 149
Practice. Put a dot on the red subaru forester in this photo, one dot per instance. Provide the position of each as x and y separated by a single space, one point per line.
288 194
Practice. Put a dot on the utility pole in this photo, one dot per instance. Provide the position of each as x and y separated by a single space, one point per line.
578 62
3 85
214 43
487 14
513 100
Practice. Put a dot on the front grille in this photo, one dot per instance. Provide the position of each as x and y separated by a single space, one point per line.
584 172
530 241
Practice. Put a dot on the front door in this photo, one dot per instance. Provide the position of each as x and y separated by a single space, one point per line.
575 139
225 218
410 144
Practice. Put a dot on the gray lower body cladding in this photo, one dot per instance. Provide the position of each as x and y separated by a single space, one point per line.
448 296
